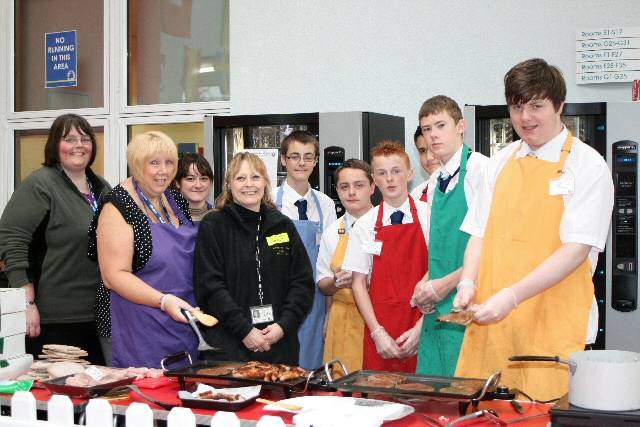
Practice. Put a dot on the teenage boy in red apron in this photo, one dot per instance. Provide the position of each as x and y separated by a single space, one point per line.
544 209
430 164
387 253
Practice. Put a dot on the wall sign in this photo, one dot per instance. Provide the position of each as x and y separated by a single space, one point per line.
608 55
61 59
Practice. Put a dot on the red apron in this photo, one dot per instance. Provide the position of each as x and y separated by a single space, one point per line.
424 197
401 264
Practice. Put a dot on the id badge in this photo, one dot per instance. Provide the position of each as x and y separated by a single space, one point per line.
261 313
561 187
373 248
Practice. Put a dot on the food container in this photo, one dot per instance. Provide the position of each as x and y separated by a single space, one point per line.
59 386
190 400
605 380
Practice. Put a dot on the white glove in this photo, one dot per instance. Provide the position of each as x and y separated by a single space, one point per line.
386 347
409 340
343 279
465 295
497 307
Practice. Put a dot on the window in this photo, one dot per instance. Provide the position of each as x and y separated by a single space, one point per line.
178 51
29 152
34 18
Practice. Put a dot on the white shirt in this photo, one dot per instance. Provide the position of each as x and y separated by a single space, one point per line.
474 179
363 231
587 210
290 196
328 246
416 193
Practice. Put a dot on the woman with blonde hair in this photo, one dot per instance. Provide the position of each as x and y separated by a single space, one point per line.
145 241
251 270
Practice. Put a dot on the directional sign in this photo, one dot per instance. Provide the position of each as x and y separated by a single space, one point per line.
608 55
61 59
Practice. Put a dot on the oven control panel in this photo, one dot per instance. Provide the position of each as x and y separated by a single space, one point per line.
624 285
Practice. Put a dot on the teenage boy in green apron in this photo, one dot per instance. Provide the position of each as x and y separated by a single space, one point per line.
461 175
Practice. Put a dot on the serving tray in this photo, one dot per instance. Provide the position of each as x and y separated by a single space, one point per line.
58 386
411 385
194 373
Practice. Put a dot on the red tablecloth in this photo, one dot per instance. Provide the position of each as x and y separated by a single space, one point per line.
169 394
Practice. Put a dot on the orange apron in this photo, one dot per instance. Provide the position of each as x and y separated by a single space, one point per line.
522 231
345 327
403 262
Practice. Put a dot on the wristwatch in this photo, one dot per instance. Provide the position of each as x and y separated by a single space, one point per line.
32 302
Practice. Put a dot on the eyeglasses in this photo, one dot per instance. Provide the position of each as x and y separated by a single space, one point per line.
307 158
74 140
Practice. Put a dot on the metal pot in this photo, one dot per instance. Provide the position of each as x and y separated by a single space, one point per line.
604 380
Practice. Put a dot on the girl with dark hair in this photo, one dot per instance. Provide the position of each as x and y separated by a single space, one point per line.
43 240
194 180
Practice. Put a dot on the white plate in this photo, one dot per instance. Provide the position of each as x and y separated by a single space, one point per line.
386 411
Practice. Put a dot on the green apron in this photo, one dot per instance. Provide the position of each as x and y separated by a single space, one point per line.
440 342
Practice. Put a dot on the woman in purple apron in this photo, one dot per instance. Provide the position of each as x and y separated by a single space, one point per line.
145 242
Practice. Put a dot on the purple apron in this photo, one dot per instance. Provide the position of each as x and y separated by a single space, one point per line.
143 335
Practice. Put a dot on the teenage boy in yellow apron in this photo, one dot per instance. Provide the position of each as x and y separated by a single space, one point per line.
460 177
544 209
345 326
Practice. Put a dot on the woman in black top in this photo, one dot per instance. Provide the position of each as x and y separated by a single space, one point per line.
251 270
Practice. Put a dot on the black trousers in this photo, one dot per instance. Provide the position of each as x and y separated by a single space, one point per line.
83 335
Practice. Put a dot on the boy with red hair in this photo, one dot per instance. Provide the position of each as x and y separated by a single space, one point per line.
387 253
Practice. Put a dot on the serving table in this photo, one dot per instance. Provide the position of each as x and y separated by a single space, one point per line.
168 393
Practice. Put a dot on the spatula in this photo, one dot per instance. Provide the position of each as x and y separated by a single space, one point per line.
205 319
202 344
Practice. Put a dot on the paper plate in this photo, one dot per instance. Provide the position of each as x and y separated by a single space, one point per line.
347 406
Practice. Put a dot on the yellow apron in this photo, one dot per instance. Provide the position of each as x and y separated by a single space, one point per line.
345 328
522 231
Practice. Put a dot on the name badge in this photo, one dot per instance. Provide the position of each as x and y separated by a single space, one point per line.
561 186
373 248
277 238
261 313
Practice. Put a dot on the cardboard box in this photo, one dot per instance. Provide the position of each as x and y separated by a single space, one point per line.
15 366
12 346
12 300
13 323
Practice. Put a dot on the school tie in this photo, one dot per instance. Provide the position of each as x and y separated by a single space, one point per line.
444 182
396 217
302 209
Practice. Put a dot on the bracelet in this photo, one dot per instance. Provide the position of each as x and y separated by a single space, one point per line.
515 298
466 282
376 330
32 302
162 301
433 291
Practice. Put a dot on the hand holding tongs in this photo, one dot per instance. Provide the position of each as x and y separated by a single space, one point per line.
202 344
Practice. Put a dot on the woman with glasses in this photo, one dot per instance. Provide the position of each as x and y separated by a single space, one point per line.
43 240
251 270
194 180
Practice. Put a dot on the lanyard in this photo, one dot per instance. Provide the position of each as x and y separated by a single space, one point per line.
152 208
260 293
92 197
